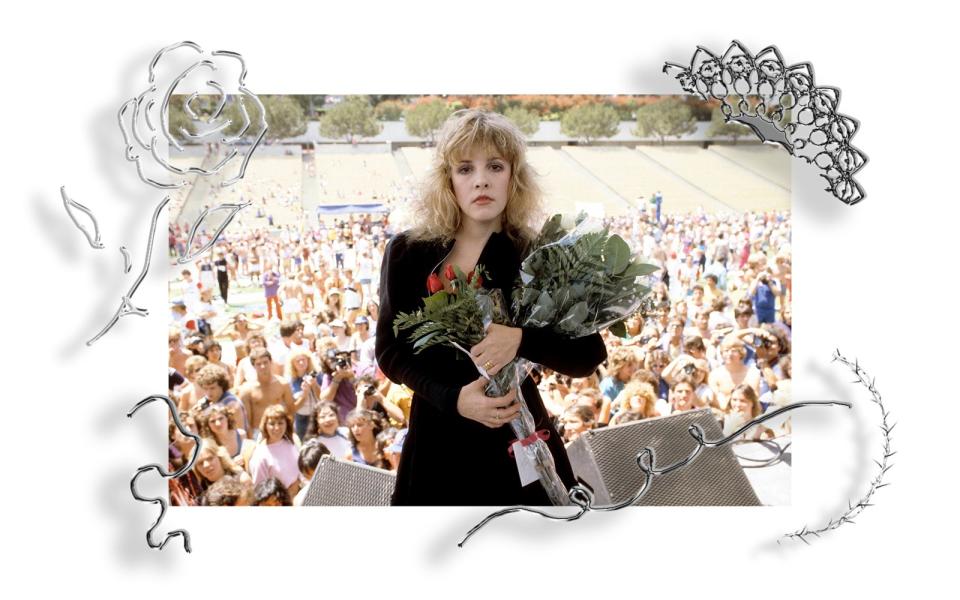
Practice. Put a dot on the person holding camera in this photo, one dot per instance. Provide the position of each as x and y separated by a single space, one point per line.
337 378
370 398
764 290
695 368
301 372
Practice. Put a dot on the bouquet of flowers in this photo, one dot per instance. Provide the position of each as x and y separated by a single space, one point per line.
577 280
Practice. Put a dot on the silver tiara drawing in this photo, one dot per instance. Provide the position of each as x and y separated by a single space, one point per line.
782 105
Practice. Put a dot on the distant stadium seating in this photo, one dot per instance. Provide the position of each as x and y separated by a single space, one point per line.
632 175
768 161
609 179
736 187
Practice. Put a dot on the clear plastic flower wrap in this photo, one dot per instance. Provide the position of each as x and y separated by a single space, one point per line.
532 442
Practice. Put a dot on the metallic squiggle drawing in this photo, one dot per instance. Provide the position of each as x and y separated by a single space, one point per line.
783 105
854 509
126 259
126 303
69 205
233 210
165 474
138 119
646 461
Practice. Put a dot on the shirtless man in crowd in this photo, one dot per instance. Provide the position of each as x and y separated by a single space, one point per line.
266 390
177 356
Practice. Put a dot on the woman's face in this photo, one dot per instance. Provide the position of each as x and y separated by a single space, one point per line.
481 184
573 426
733 355
373 311
276 427
741 404
362 429
300 364
218 423
209 465
703 320
327 421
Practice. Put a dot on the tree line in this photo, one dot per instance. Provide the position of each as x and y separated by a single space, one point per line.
585 118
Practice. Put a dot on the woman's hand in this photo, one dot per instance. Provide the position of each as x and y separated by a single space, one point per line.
492 412
497 349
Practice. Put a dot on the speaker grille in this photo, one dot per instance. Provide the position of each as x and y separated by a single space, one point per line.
606 459
343 483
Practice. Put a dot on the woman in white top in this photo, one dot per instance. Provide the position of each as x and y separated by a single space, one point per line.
276 455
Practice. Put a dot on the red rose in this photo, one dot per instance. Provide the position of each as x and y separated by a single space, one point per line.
449 273
434 284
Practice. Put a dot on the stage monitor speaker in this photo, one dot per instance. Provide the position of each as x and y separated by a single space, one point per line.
605 459
339 482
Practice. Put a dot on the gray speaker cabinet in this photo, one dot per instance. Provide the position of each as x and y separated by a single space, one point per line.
606 460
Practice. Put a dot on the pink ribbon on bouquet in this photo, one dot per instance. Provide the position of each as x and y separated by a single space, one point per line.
540 434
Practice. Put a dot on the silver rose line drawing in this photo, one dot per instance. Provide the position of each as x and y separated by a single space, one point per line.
139 117
147 129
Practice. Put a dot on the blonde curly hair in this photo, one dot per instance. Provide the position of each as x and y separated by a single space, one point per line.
437 214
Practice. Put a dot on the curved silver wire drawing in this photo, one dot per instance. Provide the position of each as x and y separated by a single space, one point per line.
165 474
126 259
781 104
646 461
853 510
232 207
69 205
145 111
126 303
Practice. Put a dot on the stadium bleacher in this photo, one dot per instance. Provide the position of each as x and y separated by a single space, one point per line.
606 179
730 184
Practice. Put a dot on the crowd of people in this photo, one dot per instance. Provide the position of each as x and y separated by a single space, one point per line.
272 361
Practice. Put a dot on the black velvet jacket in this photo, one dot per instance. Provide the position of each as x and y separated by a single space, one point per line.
448 459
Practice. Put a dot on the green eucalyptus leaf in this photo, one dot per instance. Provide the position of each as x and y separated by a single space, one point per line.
420 342
436 301
618 329
616 254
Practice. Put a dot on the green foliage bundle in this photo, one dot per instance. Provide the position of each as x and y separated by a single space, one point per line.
578 281
447 317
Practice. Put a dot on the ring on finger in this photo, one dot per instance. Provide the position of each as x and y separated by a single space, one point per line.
488 365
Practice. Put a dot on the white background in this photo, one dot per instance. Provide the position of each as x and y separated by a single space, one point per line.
871 280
